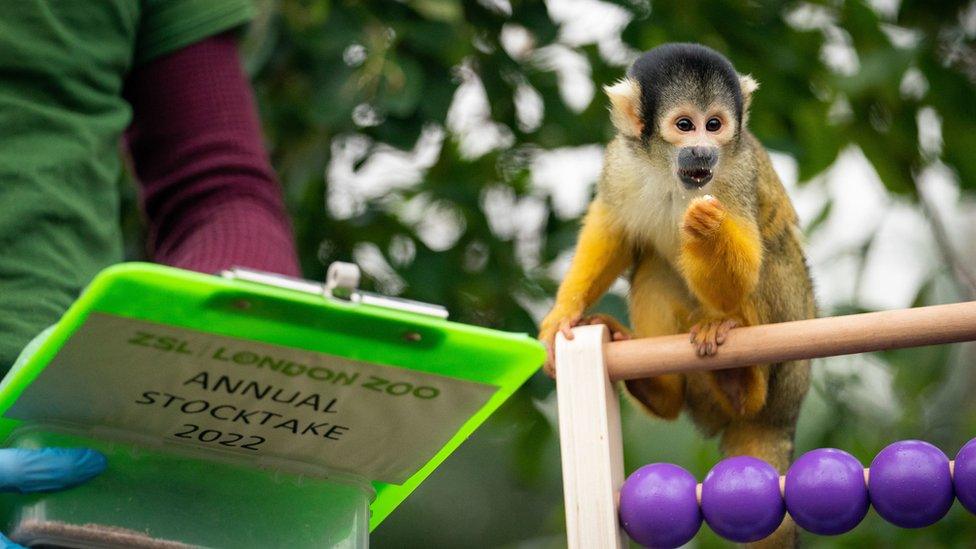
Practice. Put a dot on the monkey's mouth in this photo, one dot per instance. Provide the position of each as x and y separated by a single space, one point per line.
695 178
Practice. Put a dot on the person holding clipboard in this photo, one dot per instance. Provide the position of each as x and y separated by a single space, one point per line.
164 78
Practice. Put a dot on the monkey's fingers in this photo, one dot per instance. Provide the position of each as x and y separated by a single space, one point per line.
618 332
723 330
566 327
549 368
547 336
620 336
704 339
706 336
703 217
710 344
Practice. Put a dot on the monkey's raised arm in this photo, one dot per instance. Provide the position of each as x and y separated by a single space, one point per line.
602 253
721 256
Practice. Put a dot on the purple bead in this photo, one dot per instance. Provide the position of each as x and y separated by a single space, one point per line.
741 499
825 492
964 476
910 484
658 506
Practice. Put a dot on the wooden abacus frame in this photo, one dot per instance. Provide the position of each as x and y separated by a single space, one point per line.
588 365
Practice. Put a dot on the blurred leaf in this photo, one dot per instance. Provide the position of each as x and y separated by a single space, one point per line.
439 10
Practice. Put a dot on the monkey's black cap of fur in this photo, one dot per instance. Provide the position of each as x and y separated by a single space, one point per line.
683 69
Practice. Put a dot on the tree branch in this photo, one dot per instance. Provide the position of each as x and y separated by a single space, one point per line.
965 279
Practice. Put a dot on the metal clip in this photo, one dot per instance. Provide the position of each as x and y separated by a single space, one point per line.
273 279
341 283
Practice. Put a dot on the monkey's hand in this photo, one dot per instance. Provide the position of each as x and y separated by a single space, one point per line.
554 324
707 335
558 320
703 217
618 332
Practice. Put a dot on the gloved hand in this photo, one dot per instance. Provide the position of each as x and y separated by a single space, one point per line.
46 470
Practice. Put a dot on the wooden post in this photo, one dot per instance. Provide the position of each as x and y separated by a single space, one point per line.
590 440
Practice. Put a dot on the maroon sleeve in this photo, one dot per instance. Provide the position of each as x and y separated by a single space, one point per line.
208 189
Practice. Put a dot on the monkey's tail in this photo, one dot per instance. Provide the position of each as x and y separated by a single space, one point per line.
774 445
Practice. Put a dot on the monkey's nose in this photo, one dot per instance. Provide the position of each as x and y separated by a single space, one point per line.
695 165
698 157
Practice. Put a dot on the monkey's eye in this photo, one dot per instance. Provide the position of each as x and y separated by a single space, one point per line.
684 124
713 125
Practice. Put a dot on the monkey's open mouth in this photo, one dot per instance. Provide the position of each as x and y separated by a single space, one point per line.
695 177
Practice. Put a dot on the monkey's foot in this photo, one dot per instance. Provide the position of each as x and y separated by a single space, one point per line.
740 391
618 332
703 217
663 395
707 335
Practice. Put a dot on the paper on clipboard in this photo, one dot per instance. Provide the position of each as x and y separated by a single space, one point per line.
251 398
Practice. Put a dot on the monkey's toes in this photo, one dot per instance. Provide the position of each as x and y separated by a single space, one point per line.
706 336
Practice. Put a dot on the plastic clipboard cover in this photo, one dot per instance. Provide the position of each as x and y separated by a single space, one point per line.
268 317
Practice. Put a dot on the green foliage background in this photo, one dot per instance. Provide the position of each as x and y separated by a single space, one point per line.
503 487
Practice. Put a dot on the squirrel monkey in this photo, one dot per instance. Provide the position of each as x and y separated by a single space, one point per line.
688 201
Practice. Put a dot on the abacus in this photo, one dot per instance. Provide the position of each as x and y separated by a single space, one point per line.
826 491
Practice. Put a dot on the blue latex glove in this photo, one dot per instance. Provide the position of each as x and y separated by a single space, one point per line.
46 470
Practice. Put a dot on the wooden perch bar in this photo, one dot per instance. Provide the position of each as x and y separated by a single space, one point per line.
589 421
821 337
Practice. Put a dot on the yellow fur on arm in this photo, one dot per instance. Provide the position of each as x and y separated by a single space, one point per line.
722 267
601 255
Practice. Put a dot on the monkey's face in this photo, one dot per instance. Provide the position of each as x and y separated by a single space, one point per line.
696 139
683 106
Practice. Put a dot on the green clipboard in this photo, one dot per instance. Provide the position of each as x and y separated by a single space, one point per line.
327 333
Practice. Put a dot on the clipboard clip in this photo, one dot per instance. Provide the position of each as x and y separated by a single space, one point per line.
341 284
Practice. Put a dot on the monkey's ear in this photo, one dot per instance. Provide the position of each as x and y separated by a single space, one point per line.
625 106
748 85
